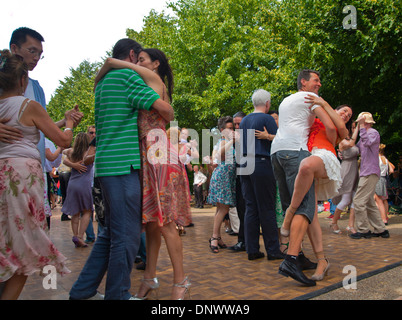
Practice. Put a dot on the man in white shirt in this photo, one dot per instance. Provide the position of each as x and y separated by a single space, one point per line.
288 149
199 180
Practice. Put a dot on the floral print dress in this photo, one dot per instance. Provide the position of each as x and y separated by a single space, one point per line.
222 188
25 247
165 187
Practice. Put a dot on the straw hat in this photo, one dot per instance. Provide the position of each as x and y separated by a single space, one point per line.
368 118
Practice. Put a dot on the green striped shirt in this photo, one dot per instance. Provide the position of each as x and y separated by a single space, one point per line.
118 97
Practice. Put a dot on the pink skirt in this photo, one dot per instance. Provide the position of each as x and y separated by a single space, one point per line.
25 247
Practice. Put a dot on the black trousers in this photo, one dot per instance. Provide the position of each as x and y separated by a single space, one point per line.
241 209
259 190
199 201
63 178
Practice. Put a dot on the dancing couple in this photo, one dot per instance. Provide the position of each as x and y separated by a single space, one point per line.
306 169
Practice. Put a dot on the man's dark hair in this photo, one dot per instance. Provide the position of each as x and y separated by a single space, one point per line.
19 36
122 48
305 74
239 114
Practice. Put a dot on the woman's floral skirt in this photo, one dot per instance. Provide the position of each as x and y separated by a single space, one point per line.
25 247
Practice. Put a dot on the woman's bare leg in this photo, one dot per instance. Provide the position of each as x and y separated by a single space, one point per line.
335 218
351 224
175 249
83 224
315 235
75 221
13 287
153 244
221 211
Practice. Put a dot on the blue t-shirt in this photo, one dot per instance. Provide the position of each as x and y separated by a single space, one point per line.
257 121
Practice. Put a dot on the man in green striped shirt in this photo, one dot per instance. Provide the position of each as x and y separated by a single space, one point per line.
118 97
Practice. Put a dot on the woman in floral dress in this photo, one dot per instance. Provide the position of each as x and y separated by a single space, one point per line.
222 188
25 247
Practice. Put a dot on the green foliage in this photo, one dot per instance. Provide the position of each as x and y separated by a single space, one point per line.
76 89
222 50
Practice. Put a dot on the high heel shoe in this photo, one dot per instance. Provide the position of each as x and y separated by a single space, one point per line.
186 286
153 285
319 277
332 227
215 249
350 230
180 230
79 243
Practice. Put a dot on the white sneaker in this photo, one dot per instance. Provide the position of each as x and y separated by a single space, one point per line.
97 296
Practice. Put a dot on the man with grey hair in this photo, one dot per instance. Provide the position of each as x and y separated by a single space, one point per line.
259 186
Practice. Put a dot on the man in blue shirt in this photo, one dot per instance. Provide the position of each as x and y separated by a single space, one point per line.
259 186
27 44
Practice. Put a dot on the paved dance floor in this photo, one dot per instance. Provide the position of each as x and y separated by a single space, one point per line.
231 276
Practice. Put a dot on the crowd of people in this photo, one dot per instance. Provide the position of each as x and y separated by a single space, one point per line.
270 167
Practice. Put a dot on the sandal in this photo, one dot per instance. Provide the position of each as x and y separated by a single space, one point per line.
332 226
286 247
180 230
215 249
186 284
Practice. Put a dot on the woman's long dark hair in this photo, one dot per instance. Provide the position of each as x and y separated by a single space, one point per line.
164 69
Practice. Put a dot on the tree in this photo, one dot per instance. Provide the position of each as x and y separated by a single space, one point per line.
221 51
76 89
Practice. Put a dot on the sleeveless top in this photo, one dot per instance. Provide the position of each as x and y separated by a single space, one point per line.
27 146
383 167
318 137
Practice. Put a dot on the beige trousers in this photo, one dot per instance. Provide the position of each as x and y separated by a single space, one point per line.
366 210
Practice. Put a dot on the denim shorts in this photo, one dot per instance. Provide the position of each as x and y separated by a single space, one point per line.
285 164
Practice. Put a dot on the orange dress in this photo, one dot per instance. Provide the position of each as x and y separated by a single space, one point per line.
165 186
319 145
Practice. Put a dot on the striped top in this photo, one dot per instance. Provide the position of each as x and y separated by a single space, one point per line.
118 97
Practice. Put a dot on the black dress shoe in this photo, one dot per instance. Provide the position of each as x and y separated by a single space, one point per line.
257 255
240 246
276 256
384 234
359 235
292 269
65 217
305 263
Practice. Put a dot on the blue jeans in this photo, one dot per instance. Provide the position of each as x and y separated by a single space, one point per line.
286 167
117 245
90 230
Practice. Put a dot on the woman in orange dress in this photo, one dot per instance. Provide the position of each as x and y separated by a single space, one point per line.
166 199
323 166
